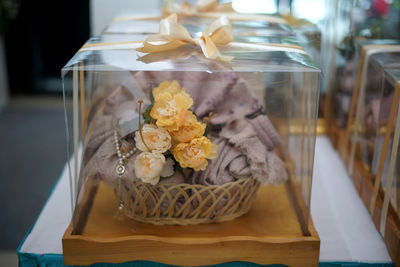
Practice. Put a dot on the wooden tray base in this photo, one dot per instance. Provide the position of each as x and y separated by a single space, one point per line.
269 234
364 185
338 139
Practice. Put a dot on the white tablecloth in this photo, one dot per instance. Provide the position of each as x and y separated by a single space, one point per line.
346 230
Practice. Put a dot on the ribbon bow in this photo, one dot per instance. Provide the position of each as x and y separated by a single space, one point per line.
172 35
187 9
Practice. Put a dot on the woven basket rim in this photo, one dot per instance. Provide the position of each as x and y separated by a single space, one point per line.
236 196
197 185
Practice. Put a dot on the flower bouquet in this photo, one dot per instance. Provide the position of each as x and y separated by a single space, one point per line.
171 133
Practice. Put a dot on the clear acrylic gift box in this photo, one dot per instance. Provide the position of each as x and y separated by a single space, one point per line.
355 21
375 168
368 145
174 142
377 55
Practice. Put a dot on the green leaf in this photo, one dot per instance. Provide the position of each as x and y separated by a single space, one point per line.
208 129
151 97
146 114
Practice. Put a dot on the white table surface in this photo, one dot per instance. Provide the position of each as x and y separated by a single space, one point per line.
346 230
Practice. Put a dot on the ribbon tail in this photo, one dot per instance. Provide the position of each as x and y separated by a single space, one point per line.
210 50
180 54
220 31
162 46
222 36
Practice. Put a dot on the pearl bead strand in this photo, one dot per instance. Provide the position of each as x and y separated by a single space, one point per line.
122 158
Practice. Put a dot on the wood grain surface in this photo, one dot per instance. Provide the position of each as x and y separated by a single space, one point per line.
270 233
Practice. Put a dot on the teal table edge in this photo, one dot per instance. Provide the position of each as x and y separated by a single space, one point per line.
57 260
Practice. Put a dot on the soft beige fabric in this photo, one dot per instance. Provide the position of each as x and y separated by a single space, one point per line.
244 135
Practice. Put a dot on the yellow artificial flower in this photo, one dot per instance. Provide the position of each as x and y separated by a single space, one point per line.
190 129
166 87
170 110
195 154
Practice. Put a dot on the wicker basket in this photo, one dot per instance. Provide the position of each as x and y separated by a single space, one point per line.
184 204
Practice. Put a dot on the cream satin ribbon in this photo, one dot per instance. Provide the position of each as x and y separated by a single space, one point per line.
173 35
186 9
232 16
208 9
217 35
231 47
212 9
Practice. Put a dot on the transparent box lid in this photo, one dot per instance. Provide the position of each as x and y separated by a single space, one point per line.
307 35
111 51
127 24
